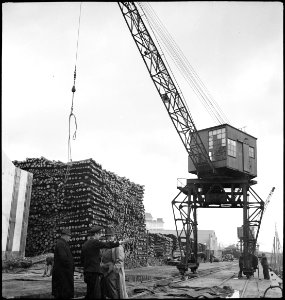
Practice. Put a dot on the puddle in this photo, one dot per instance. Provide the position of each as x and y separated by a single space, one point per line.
140 278
236 294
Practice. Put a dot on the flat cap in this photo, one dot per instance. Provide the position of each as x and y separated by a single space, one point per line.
65 231
109 231
95 229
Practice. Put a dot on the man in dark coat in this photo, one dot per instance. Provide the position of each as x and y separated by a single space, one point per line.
192 260
265 266
63 268
91 260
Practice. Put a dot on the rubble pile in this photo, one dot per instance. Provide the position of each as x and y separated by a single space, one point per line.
77 196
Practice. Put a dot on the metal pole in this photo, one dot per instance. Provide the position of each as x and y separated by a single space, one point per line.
195 230
188 229
245 230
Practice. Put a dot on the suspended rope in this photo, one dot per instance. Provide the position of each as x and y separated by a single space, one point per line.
185 68
72 115
62 185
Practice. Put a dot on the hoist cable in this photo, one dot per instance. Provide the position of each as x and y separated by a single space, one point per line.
178 54
73 91
72 103
183 65
61 190
178 63
183 69
201 85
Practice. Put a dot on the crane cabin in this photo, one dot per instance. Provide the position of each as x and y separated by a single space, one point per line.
231 151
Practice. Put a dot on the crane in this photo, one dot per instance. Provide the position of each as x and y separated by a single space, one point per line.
170 96
268 199
224 177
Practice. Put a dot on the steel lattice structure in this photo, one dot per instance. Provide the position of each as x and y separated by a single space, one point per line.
170 96
217 193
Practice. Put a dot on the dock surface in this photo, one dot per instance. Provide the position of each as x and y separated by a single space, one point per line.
213 280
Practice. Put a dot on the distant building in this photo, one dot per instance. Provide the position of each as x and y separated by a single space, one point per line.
152 224
206 237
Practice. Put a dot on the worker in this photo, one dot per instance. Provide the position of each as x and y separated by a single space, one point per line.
114 286
265 266
240 263
91 259
211 258
63 268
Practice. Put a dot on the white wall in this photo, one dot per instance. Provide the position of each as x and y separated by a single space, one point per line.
16 194
8 173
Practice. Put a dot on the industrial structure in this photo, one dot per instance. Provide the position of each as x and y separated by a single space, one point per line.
224 158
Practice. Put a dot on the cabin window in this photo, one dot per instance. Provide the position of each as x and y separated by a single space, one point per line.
232 148
217 144
251 152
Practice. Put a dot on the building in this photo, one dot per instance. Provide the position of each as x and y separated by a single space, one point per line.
16 195
205 237
209 238
152 224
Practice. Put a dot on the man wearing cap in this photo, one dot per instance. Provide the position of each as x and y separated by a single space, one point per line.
114 286
63 268
265 266
91 259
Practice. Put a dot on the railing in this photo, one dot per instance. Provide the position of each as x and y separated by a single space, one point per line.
181 182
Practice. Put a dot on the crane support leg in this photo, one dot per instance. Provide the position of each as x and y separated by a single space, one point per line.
185 217
252 215
216 193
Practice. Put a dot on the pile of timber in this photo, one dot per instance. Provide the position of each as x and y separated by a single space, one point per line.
160 245
78 195
175 245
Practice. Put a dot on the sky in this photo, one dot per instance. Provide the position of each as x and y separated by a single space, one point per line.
236 49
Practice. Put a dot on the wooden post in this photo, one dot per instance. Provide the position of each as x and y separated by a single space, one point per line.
147 248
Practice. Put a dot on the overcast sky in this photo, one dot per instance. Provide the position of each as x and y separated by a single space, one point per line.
235 47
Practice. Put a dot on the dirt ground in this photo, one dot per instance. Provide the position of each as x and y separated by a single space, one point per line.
148 282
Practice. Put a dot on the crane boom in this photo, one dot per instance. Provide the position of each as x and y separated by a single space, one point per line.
171 98
268 199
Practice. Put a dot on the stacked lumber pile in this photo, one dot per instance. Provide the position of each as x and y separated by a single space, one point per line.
46 203
77 196
160 244
175 245
126 214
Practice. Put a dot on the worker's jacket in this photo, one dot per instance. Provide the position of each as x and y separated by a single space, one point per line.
90 254
63 269
264 262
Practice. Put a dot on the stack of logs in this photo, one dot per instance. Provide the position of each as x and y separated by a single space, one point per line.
78 195
161 245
